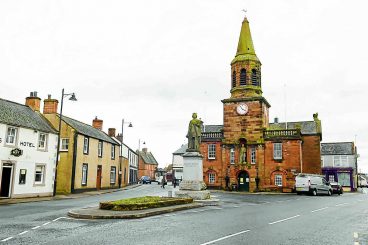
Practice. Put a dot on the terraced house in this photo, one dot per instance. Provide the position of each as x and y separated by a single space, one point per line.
27 150
247 152
89 158
147 164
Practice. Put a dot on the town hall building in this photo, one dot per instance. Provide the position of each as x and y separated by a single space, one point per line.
247 152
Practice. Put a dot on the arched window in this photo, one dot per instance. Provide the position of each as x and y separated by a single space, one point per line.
254 77
234 79
243 77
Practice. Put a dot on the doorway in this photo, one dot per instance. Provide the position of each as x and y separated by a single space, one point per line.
99 174
6 180
243 181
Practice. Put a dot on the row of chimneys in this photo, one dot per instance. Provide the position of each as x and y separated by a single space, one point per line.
50 107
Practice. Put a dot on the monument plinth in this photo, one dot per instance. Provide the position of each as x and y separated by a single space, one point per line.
192 184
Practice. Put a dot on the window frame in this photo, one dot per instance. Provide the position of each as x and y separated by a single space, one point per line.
44 148
232 155
43 174
84 177
100 148
113 173
211 178
211 151
277 153
254 77
278 180
14 137
112 151
86 145
253 155
61 144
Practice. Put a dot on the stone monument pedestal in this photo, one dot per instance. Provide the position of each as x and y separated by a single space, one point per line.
192 184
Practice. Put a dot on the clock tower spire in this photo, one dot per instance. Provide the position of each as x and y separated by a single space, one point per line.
245 67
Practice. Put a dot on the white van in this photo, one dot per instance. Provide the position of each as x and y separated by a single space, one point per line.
312 184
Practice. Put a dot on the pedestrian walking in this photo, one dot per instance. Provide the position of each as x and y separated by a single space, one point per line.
227 180
163 182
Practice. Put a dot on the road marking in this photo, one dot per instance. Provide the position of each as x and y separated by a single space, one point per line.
58 219
341 204
225 237
319 209
36 227
356 243
24 232
282 220
355 235
7 239
46 223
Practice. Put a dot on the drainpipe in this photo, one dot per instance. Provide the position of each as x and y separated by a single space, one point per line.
75 148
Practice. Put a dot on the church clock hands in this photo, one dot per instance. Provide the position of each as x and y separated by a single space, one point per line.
242 109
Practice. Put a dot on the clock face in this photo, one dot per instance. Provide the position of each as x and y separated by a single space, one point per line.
242 109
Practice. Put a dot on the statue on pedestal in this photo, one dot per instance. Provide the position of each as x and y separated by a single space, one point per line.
194 133
243 154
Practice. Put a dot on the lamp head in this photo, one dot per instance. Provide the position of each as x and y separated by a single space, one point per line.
72 98
130 125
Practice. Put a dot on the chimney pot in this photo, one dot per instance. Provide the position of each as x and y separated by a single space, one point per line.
276 120
33 101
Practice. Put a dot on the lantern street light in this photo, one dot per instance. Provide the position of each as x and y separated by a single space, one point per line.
72 98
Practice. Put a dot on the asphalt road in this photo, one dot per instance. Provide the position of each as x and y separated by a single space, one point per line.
239 219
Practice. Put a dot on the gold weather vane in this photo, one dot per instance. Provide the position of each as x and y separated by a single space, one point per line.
245 11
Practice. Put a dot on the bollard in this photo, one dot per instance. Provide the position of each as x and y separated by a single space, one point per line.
169 193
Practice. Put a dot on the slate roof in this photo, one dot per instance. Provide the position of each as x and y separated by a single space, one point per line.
212 128
337 148
147 157
181 150
307 127
88 130
15 114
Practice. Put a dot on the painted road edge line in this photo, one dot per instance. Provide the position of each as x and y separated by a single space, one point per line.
46 223
24 232
341 204
320 209
7 239
282 220
356 235
225 237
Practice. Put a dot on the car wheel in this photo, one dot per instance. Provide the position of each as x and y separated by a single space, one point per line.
298 193
314 192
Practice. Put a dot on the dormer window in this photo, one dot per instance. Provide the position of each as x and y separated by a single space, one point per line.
243 77
254 77
234 79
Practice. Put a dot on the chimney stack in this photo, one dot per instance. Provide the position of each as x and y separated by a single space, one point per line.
111 132
120 137
97 123
50 105
144 150
33 101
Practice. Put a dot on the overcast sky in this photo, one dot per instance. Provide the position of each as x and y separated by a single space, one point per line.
153 63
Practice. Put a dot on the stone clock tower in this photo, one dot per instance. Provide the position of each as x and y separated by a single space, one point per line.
245 116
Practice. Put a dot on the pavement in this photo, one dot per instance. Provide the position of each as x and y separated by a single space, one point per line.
7 201
96 213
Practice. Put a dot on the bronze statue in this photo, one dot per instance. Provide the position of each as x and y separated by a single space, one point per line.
194 133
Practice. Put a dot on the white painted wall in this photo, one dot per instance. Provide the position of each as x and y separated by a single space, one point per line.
339 161
28 160
178 163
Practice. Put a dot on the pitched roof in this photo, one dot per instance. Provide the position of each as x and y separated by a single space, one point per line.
16 114
306 127
147 157
181 150
337 148
88 130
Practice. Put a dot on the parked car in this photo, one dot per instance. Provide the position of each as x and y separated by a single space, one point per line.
145 180
336 188
312 184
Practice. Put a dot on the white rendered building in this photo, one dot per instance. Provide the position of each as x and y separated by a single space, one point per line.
27 150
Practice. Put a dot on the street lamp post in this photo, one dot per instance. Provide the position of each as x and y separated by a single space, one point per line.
122 128
139 144
72 98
